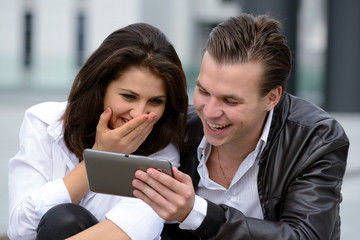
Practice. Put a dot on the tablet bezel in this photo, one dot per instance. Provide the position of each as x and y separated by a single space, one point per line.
113 173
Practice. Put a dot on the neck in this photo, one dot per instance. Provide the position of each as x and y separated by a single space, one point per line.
235 152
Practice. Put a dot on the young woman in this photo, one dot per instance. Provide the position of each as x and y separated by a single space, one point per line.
130 97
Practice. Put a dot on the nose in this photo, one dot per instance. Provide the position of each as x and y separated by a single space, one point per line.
212 109
139 109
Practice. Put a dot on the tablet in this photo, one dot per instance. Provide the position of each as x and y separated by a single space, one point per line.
113 173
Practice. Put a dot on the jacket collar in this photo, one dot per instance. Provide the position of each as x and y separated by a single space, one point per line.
280 114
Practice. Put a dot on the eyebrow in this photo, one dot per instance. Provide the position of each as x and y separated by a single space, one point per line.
136 94
223 96
128 90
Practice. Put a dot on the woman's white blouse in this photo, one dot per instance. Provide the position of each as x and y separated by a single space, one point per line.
36 180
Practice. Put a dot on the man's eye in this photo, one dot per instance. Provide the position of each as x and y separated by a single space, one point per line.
202 91
231 102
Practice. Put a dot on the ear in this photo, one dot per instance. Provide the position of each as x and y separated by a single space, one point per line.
273 97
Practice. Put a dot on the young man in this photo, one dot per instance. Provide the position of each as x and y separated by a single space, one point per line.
266 165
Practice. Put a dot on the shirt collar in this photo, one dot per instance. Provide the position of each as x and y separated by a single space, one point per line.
204 147
265 133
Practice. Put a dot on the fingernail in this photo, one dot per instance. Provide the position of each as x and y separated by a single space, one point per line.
136 193
138 174
135 183
107 110
151 172
152 116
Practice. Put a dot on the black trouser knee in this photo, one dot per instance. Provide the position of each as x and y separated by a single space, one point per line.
63 221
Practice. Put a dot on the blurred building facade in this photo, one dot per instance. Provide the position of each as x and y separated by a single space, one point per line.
324 37
343 58
43 43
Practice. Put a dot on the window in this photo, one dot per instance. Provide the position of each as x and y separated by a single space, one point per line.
80 41
28 31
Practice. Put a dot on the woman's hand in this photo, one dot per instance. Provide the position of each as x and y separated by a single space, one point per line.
126 138
171 198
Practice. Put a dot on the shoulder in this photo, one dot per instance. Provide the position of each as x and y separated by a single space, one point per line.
304 112
47 112
44 119
306 118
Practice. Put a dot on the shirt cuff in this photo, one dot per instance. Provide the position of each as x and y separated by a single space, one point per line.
137 219
49 195
196 216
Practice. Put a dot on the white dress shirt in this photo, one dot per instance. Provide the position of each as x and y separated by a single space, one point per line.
36 181
242 193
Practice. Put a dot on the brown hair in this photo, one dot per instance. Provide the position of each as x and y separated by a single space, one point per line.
247 38
139 45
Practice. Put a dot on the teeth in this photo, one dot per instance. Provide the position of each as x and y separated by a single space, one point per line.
216 126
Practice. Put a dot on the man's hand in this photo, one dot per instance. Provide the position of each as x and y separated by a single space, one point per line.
171 198
126 138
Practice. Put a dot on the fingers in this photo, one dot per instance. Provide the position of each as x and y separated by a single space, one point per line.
104 120
182 177
102 130
171 198
137 124
137 128
152 198
160 204
134 132
127 138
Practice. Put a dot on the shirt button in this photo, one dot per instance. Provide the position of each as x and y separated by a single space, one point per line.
228 196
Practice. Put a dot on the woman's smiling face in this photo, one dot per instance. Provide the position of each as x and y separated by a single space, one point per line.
137 91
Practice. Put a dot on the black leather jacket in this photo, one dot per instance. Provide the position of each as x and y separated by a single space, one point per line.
299 181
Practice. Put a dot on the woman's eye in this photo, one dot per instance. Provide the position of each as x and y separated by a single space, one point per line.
128 96
157 101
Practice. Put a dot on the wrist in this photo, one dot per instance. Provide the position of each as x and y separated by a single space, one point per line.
196 216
